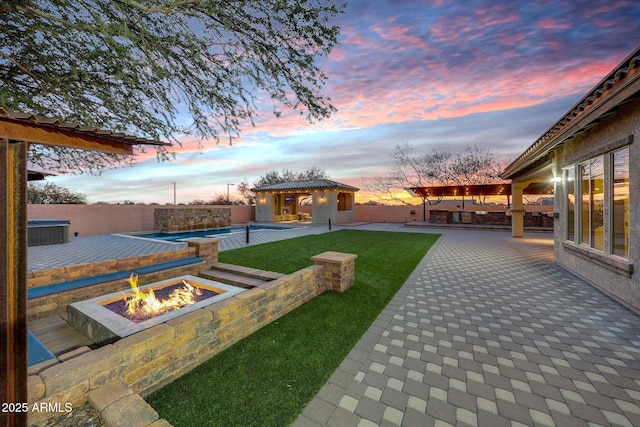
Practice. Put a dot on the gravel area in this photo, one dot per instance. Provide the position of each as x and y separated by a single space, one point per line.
84 416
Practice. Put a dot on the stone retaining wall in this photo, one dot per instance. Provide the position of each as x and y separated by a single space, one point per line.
152 358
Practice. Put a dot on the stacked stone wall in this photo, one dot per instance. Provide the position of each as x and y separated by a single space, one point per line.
188 219
57 303
55 275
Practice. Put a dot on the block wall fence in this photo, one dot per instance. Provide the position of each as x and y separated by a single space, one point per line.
104 219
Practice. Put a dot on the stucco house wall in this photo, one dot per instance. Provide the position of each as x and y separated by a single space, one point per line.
264 208
592 154
612 274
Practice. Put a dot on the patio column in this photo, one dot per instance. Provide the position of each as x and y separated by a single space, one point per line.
13 278
517 212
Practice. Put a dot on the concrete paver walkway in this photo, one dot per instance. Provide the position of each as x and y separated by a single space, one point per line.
489 331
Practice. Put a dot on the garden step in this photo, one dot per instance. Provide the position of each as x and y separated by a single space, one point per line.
232 278
246 271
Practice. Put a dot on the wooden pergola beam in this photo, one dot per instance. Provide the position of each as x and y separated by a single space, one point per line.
463 190
479 190
57 136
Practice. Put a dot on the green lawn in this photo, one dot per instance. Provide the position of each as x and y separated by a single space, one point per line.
268 378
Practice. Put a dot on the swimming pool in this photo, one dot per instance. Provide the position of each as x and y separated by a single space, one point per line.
178 236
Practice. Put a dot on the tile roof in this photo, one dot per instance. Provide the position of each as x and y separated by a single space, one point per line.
315 184
76 128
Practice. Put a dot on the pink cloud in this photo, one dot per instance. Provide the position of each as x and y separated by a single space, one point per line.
512 39
338 54
602 17
553 24
592 12
494 15
453 28
399 33
392 72
434 92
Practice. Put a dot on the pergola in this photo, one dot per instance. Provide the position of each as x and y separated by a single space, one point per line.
17 131
478 190
462 190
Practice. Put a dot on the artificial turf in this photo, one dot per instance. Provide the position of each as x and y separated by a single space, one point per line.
267 378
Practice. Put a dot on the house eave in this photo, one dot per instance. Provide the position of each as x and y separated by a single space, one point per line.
620 86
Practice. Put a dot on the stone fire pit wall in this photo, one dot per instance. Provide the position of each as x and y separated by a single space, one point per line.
187 219
150 359
57 303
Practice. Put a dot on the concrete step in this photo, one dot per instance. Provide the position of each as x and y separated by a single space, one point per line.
236 275
245 271
232 278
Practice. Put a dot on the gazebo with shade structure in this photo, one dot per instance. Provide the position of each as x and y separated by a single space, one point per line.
330 201
17 131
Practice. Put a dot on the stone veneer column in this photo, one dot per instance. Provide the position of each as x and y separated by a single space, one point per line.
517 211
339 269
206 248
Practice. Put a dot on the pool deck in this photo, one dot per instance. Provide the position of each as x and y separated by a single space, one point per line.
102 247
487 330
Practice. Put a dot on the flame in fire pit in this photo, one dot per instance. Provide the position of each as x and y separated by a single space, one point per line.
146 301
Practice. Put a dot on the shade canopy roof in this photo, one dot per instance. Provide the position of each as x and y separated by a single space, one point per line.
304 186
34 175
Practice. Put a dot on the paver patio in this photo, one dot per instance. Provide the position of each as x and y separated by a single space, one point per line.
487 331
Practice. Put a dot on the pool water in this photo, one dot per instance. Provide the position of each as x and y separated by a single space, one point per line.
178 236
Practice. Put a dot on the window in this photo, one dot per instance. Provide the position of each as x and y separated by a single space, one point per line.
620 192
592 203
597 211
597 203
570 179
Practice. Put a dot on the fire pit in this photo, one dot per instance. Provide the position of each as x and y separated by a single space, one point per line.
106 318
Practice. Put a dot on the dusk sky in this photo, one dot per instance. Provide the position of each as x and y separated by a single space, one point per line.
432 73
